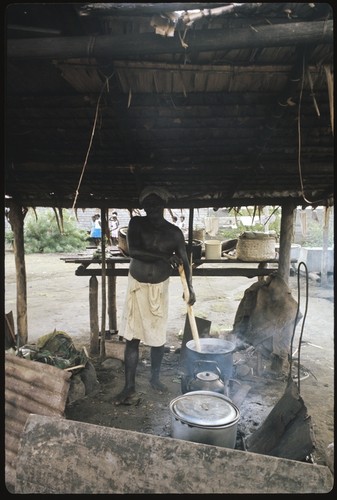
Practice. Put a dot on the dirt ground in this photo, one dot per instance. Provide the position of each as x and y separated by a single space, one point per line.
57 299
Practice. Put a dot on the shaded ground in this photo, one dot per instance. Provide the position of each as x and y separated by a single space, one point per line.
59 299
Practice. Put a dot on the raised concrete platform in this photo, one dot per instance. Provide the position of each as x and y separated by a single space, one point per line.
59 456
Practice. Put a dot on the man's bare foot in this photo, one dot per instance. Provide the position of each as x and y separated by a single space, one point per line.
122 397
158 386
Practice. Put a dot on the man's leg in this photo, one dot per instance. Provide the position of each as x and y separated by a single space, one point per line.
157 354
131 355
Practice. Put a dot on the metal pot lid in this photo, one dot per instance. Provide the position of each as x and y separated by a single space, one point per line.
211 346
207 376
204 408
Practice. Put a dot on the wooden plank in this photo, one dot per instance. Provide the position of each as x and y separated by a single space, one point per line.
85 261
98 272
234 271
68 457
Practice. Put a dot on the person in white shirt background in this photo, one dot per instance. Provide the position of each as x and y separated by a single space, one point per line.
114 225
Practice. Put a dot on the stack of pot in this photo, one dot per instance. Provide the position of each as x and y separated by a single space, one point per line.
217 351
204 413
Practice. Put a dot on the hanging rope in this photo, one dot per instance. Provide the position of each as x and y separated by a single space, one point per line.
106 85
310 202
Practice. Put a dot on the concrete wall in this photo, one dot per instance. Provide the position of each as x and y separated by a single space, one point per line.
312 257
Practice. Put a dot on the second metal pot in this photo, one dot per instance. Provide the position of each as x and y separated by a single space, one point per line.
204 417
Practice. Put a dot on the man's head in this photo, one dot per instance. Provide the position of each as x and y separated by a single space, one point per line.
154 192
153 205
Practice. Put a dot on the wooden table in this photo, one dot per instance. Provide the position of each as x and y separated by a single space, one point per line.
225 266
118 265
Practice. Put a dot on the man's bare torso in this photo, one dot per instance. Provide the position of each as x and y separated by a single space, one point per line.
156 242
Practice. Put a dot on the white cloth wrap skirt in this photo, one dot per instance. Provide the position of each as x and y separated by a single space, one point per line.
145 312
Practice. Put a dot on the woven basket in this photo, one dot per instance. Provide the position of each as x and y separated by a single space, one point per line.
255 247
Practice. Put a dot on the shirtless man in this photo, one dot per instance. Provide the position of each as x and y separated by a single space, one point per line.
156 247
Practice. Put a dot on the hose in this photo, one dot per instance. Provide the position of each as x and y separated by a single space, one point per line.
295 323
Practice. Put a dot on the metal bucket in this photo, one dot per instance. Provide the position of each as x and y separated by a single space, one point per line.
218 350
196 249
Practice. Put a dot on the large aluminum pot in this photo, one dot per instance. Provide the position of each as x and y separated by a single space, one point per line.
205 417
212 349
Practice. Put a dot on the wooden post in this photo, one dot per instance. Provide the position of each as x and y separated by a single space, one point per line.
325 244
124 46
112 311
286 237
16 217
103 322
93 311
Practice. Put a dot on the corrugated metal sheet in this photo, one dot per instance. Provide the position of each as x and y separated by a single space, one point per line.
30 387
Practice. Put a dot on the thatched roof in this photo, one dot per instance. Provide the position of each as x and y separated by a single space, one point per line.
235 108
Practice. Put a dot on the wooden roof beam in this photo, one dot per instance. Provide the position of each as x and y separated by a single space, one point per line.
131 46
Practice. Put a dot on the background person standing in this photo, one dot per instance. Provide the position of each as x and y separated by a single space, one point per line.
182 225
114 225
96 230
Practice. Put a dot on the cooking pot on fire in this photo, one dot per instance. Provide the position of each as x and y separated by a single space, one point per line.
211 349
209 380
205 417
